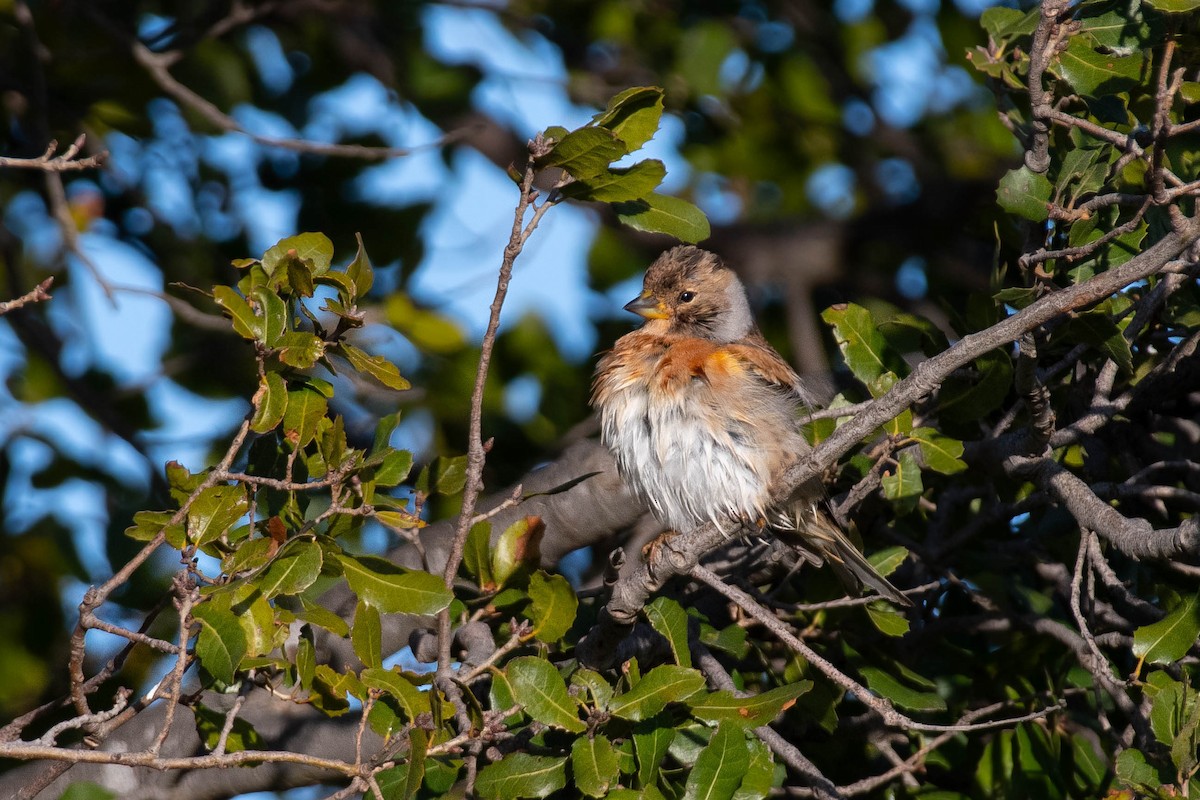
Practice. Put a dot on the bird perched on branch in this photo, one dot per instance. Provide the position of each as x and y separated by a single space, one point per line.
700 413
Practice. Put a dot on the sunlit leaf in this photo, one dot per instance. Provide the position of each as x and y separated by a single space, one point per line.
661 213
521 775
553 606
1169 639
594 765
393 589
541 691
720 766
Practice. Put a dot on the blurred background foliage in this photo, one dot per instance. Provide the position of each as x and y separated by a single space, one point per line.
841 150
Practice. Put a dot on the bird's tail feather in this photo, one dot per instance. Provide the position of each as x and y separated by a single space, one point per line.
821 537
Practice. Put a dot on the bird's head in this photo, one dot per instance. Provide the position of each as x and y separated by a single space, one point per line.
691 292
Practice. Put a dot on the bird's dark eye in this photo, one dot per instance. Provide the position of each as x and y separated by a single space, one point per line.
687 297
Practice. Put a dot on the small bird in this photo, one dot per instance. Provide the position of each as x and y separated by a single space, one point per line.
701 415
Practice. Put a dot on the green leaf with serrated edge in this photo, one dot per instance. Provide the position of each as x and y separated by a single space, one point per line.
477 555
312 247
585 152
1131 767
221 644
1025 193
376 367
541 691
297 567
619 184
658 687
1169 639
245 322
864 349
720 766
394 468
214 512
147 524
651 741
210 723
319 615
903 696
392 589
760 774
887 619
553 606
521 775
270 401
518 546
904 479
662 213
359 270
1095 74
299 349
411 700
594 765
633 115
748 712
668 618
306 659
305 408
941 453
366 635
595 684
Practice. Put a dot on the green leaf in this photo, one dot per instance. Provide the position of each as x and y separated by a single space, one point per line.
1095 74
376 367
661 213
359 270
210 722
887 619
394 468
720 767
900 694
633 115
305 408
521 775
1169 639
449 474
747 712
888 560
297 567
969 399
477 555
314 248
245 322
941 453
1132 769
221 645
595 684
1096 328
904 480
273 313
663 684
270 401
668 618
147 524
518 547
1174 6
366 635
1002 23
1025 193
306 659
760 775
427 330
864 348
319 615
651 741
594 765
541 691
86 790
300 349
393 589
585 152
553 606
214 512
620 184
411 700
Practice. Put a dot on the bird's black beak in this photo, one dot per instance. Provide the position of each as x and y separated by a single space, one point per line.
648 306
